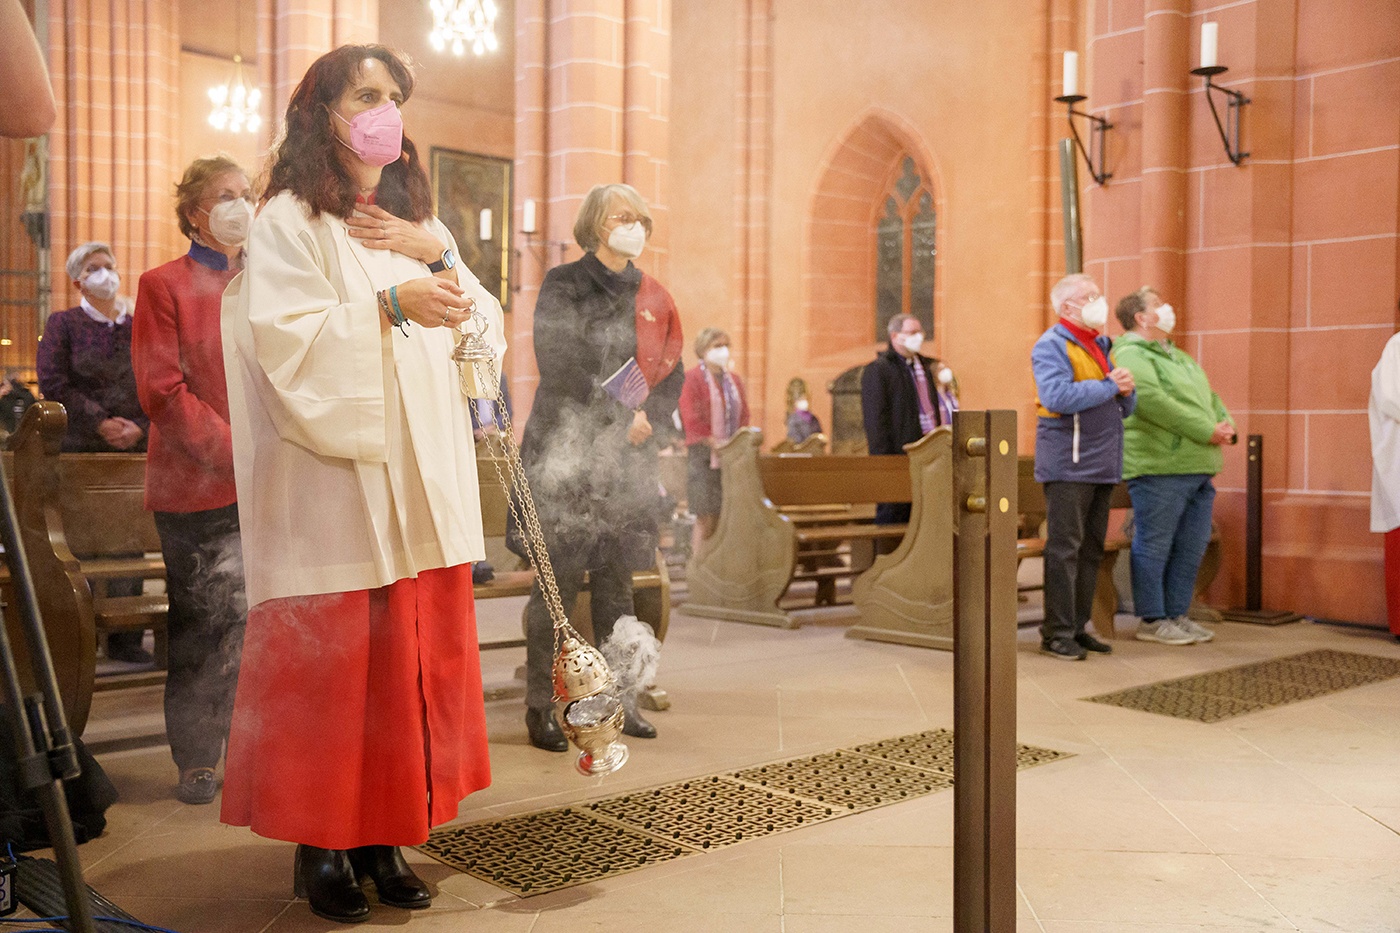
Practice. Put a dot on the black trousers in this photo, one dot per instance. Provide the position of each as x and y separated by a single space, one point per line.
1076 522
208 610
610 598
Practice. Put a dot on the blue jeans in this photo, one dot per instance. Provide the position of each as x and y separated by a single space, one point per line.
1171 528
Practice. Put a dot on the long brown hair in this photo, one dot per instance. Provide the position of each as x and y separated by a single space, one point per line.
305 161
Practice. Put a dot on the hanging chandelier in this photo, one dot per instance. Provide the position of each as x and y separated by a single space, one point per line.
235 103
462 23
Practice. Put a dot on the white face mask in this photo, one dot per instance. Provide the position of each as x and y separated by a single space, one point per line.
229 221
912 342
1166 318
802 404
1095 313
102 284
628 240
717 356
945 376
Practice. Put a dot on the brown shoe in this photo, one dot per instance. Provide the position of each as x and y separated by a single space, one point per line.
197 785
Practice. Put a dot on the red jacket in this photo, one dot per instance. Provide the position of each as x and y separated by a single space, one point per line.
695 404
177 354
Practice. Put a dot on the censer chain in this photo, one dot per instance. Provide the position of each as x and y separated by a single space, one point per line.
521 505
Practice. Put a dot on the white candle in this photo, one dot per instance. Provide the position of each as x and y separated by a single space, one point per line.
485 224
1210 42
527 223
1071 77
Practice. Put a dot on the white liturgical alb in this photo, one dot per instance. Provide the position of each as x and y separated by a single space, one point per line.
352 446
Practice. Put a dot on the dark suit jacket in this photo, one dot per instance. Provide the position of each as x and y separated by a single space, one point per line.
890 403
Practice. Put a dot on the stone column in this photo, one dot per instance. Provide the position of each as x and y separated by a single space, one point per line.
112 152
1166 70
754 164
294 33
646 115
592 102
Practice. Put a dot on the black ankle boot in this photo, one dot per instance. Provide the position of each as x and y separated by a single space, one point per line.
398 886
634 725
325 878
544 730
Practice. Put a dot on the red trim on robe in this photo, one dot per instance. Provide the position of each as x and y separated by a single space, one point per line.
359 718
1392 579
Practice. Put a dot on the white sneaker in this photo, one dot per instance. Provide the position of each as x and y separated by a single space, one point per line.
1164 632
1193 628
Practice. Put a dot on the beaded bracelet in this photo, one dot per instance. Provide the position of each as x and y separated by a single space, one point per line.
398 318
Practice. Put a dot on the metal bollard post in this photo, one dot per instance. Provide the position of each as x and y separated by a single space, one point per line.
984 672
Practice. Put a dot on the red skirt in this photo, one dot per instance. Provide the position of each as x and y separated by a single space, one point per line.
359 718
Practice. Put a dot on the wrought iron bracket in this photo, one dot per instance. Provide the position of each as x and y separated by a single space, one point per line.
1099 128
1230 129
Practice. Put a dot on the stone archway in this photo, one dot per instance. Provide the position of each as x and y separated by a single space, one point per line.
850 210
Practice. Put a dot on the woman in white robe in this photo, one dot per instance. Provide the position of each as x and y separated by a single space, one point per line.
359 721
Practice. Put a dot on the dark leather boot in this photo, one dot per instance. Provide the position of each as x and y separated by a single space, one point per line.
544 730
633 724
396 883
325 878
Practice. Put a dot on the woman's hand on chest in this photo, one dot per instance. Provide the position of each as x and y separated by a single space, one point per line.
376 228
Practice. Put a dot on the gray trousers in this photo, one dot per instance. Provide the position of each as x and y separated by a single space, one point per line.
1076 521
610 598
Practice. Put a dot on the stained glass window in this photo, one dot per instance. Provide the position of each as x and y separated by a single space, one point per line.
906 251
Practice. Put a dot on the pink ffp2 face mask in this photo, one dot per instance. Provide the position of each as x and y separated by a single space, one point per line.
376 136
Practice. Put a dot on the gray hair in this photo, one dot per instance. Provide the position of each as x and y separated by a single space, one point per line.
588 225
896 323
79 257
1067 288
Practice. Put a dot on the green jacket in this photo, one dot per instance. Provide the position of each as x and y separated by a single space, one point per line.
1176 414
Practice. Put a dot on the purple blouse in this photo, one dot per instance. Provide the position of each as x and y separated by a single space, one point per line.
86 365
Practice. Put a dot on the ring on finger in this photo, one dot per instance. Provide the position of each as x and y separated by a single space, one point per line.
445 318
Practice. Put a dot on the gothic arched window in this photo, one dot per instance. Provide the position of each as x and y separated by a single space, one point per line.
905 252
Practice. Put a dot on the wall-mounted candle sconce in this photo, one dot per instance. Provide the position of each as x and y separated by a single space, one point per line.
1230 129
1100 126
540 247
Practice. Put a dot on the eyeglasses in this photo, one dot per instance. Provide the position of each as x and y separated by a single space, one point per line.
624 219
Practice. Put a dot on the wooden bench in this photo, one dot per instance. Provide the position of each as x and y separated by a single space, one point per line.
90 504
813 444
1031 500
651 587
752 559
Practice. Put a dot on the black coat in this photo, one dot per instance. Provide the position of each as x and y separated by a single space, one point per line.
889 402
596 494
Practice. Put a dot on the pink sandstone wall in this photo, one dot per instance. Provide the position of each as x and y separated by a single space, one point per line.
1283 269
856 82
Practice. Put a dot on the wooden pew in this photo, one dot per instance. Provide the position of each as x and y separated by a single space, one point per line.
92 504
1031 496
742 571
813 444
906 596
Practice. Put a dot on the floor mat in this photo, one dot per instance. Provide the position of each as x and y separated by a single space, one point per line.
1235 691
552 849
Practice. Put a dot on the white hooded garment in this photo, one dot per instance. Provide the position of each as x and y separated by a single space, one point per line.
352 447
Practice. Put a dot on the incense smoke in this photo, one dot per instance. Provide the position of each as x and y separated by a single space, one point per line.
633 653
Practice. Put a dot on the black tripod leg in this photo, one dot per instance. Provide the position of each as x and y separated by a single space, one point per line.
45 747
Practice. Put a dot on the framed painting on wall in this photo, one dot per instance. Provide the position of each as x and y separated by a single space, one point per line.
472 197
